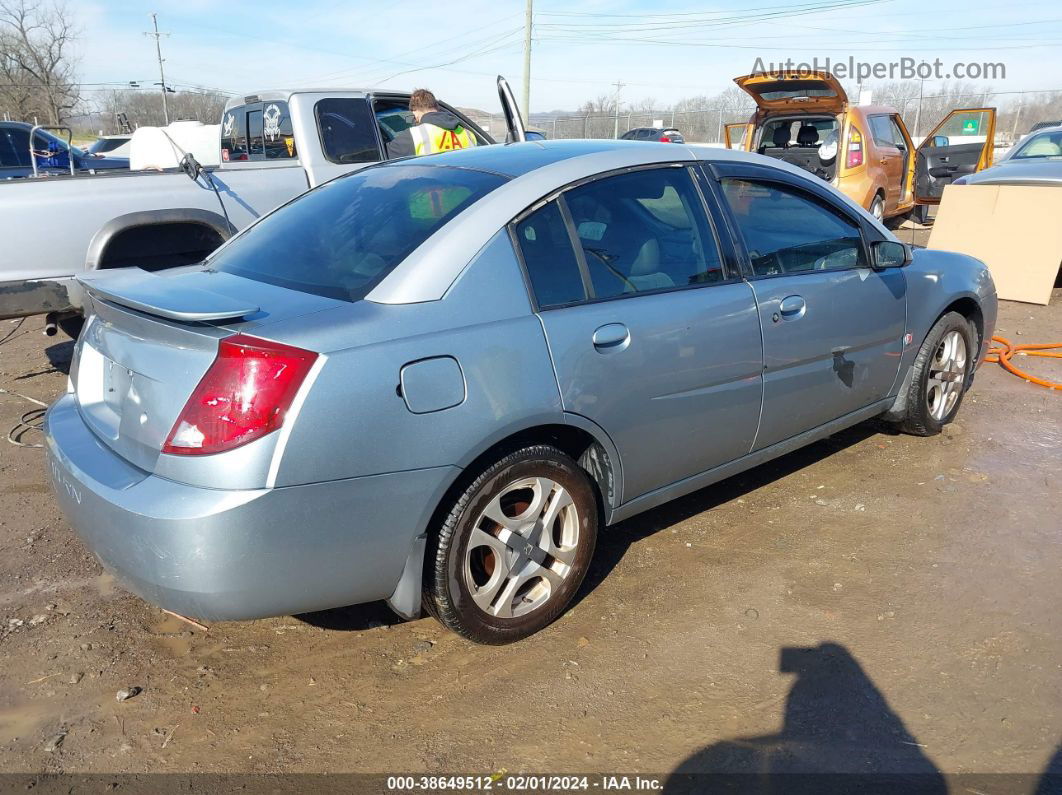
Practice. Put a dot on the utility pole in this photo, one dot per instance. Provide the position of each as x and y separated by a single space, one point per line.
918 113
527 62
619 87
1014 132
162 74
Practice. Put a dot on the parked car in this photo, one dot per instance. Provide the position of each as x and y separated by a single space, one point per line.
112 145
440 378
667 135
274 145
865 151
1035 160
52 155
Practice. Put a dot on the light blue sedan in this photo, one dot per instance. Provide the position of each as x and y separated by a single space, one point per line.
435 381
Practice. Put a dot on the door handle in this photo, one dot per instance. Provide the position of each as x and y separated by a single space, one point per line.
791 308
611 337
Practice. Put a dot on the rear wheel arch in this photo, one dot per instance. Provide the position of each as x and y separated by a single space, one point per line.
579 439
157 239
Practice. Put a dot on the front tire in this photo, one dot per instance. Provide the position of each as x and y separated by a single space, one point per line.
513 549
941 374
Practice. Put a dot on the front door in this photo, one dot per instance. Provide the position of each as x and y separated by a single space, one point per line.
961 144
651 337
832 327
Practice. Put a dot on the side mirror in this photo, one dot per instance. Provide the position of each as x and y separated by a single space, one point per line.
940 140
890 254
534 135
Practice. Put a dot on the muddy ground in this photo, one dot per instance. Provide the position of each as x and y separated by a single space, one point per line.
872 602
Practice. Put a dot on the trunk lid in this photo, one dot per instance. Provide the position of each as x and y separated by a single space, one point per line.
153 336
817 92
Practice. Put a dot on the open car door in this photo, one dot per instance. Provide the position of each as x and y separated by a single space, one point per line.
513 121
740 137
961 144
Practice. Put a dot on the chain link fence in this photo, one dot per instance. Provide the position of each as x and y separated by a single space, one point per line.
1016 113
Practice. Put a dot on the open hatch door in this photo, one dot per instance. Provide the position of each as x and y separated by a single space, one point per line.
513 120
737 136
961 144
815 92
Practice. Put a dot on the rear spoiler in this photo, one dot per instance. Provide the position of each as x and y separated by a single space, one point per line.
169 298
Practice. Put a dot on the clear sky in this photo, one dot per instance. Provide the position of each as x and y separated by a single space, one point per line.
663 50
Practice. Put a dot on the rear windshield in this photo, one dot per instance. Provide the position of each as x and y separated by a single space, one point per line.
342 238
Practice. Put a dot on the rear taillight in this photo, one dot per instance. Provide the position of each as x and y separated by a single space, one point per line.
664 139
242 397
855 148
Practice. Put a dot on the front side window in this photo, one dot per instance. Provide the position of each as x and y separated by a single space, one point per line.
348 130
644 230
549 257
788 231
341 239
1041 145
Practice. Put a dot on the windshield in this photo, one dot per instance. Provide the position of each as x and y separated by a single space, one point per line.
342 238
1040 145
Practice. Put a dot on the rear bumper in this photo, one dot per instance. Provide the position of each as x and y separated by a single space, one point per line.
36 297
237 554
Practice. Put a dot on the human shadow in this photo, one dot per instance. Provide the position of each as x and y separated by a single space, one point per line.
839 735
1051 779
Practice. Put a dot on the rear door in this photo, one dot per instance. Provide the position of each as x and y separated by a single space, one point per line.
961 144
889 156
832 327
737 136
653 334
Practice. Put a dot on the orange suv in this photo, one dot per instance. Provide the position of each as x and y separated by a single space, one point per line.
865 151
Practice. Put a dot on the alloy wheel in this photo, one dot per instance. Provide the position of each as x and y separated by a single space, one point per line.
947 374
522 547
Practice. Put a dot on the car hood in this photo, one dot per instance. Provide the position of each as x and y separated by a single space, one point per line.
1020 172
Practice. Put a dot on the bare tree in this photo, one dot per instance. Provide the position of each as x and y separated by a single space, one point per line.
36 60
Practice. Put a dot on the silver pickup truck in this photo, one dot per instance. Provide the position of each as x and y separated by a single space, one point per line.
274 146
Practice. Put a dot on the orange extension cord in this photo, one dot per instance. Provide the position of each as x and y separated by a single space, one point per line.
1006 350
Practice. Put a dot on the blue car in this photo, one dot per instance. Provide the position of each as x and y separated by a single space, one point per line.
434 381
52 154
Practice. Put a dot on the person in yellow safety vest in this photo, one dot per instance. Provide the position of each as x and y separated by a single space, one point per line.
436 130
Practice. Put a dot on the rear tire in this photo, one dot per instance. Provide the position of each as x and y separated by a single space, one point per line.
877 207
513 549
941 375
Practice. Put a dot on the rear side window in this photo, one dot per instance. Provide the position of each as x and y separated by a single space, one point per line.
348 130
341 239
549 257
644 230
881 129
788 231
